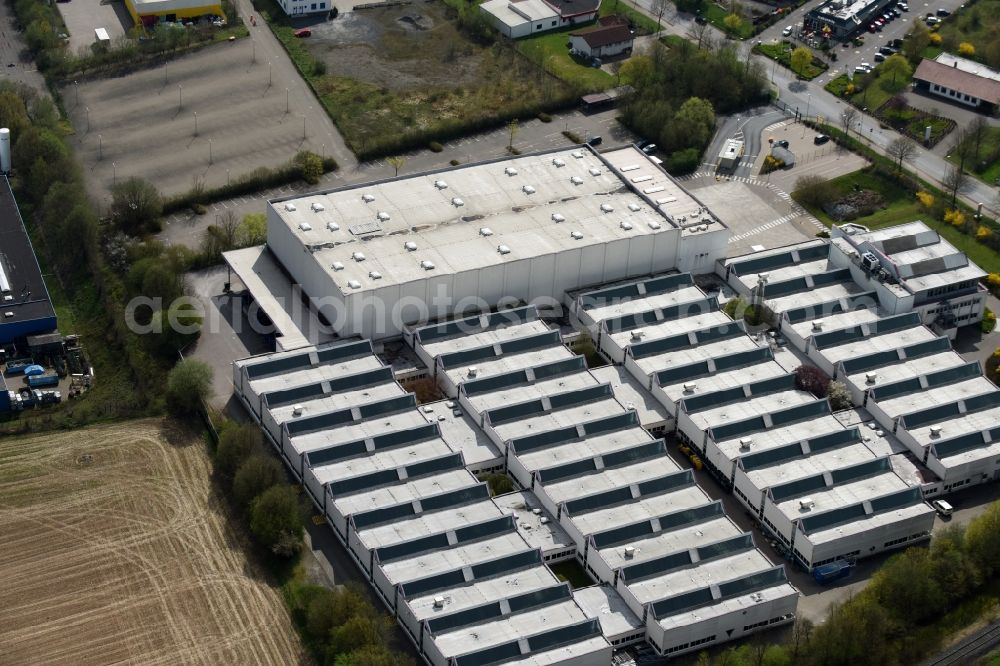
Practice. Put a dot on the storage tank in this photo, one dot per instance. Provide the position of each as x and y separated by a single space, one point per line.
5 150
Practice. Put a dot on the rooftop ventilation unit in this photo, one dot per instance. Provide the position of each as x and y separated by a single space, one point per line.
427 264
458 203
358 256
473 371
297 410
630 406
510 171
559 162
627 226
690 387
383 216
869 261
290 207
537 512
333 226
485 231
576 180
629 552
528 189
634 207
305 226
806 503
594 171
503 249
375 275
558 217
607 208
410 246
935 431
577 154
368 198
818 325
543 520
870 377
440 184
354 284
438 602
702 227
337 266
576 234
637 334
653 224
317 207
745 443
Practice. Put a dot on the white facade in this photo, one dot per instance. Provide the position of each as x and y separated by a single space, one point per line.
304 7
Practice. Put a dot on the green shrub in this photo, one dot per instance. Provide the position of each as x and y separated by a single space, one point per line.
188 385
435 147
255 475
989 321
454 162
544 117
276 520
683 162
572 136
319 68
199 208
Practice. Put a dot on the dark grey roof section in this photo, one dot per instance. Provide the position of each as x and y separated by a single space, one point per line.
876 327
334 354
670 313
439 541
906 497
569 470
899 244
753 582
524 559
340 384
762 264
822 521
723 363
891 356
633 573
703 336
864 301
557 401
983 401
474 324
468 495
731 430
791 489
366 411
860 471
666 484
650 451
542 642
666 523
388 440
781 418
627 292
930 415
536 341
736 394
293 395
508 380
728 590
770 457
602 500
568 434
355 484
682 602
490 611
962 443
935 379
800 284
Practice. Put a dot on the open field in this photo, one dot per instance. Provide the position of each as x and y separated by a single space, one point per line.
143 124
115 551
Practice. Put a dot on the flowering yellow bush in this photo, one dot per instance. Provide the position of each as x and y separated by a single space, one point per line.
993 280
849 90
965 48
982 233
935 39
955 218
926 199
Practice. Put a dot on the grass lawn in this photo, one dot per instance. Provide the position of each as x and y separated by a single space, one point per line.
977 24
901 208
985 166
782 52
642 23
716 15
572 572
550 51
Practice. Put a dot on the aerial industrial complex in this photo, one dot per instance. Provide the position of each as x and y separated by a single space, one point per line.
497 276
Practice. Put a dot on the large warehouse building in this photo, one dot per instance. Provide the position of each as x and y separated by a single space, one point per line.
376 257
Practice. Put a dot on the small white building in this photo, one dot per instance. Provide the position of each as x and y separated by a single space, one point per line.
731 154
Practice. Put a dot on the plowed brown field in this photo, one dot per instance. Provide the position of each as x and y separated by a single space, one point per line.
113 550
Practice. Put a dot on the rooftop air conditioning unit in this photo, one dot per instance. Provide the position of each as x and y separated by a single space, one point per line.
333 226
354 284
297 410
503 249
410 246
438 602
440 184
528 189
543 520
869 261
577 154
690 387
745 443
427 264
510 171
935 431
637 334
559 162
317 207
383 216
473 371
870 377
558 217
629 551
634 207
653 224
375 275
537 512
337 266
368 198
594 171
485 231
290 207
626 226
576 180
457 203
818 325
576 234
305 226
358 256
806 503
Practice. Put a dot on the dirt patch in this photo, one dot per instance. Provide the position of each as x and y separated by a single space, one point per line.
116 552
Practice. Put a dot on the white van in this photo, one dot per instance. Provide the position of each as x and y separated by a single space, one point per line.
943 508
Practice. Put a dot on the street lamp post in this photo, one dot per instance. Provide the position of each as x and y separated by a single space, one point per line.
196 123
253 51
268 73
286 100
180 96
76 87
100 147
87 109
210 151
114 173
303 126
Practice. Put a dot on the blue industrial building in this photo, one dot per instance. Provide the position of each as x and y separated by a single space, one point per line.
25 308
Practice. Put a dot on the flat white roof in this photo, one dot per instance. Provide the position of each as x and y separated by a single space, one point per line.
355 431
812 465
814 296
925 399
679 357
907 369
790 272
735 412
441 561
479 592
724 380
460 433
641 509
632 394
559 418
605 604
958 425
877 343
482 402
508 363
671 541
313 374
774 437
670 327
836 322
609 479
401 493
378 461
482 338
533 10
703 575
691 294
334 402
617 440
443 214
547 536
425 524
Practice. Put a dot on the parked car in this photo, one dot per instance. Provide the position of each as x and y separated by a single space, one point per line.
787 32
896 43
866 65
303 32
781 143
943 12
595 141
820 139
932 20
879 57
700 20
649 148
903 6
886 50
943 508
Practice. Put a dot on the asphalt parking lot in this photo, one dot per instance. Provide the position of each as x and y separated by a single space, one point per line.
82 17
827 160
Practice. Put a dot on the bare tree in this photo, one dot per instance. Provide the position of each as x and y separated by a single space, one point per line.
955 182
699 33
847 118
901 149
396 162
659 8
513 128
229 226
977 130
